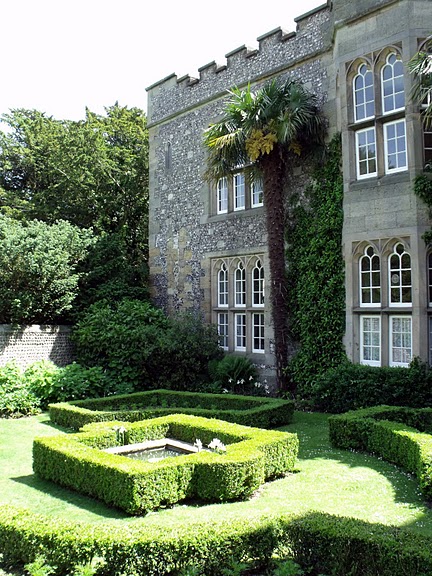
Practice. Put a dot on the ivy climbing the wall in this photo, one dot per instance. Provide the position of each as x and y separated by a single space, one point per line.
423 189
316 273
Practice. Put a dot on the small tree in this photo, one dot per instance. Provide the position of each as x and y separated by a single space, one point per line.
420 66
38 269
262 129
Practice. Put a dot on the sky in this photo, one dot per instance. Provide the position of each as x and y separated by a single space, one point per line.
61 56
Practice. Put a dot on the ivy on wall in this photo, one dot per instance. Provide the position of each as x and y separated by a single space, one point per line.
316 273
423 189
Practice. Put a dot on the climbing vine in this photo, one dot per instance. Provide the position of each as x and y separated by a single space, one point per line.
316 273
423 189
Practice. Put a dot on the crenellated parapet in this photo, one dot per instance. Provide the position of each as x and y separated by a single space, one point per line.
277 50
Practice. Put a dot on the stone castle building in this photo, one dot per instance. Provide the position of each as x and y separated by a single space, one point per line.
208 248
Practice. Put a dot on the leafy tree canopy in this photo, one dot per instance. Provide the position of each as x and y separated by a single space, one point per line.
92 173
39 269
420 66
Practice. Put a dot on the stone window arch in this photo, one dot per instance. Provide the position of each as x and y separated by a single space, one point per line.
400 279
363 93
370 278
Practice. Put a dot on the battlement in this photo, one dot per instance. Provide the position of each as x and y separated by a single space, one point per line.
277 50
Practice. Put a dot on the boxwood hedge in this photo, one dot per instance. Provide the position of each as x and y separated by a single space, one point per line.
400 435
320 542
247 410
252 456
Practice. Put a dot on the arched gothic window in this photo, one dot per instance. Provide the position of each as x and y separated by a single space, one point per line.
400 285
370 278
363 90
258 284
392 84
240 285
222 286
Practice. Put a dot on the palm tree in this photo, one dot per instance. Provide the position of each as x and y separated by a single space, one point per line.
261 130
420 66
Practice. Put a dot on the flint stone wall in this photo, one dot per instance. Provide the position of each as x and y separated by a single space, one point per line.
29 344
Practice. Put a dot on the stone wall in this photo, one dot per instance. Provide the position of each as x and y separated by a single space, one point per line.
31 343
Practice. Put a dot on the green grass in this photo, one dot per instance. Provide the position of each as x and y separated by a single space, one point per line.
329 480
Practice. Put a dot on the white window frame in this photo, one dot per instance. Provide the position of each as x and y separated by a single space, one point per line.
240 331
429 272
222 281
261 328
223 329
239 187
392 81
222 195
397 139
399 285
369 345
257 192
360 176
393 362
370 273
240 286
357 90
258 281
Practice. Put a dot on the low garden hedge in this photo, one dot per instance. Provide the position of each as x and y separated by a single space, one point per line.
398 434
252 456
320 542
247 410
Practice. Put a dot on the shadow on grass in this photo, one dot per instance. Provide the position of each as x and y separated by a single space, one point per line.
64 495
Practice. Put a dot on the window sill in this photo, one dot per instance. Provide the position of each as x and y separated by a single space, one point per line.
248 212
384 310
375 181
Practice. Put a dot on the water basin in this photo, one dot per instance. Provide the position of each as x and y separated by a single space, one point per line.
154 450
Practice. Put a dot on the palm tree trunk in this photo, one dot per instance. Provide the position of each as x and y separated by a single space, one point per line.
273 168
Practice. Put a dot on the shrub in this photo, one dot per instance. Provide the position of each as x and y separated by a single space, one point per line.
352 386
246 410
236 374
383 430
138 345
38 269
321 543
16 399
252 456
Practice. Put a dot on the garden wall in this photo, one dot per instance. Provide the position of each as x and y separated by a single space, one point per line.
31 343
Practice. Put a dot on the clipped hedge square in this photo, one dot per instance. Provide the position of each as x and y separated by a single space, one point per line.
246 410
252 456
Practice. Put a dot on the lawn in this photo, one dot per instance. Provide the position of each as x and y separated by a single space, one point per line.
328 480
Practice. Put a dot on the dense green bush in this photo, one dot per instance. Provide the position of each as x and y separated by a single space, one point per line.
110 274
138 345
16 398
246 410
25 391
321 543
383 430
39 270
72 382
235 374
352 386
252 456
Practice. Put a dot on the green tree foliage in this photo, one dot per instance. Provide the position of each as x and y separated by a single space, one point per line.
262 129
316 273
109 274
138 345
92 173
420 66
39 269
